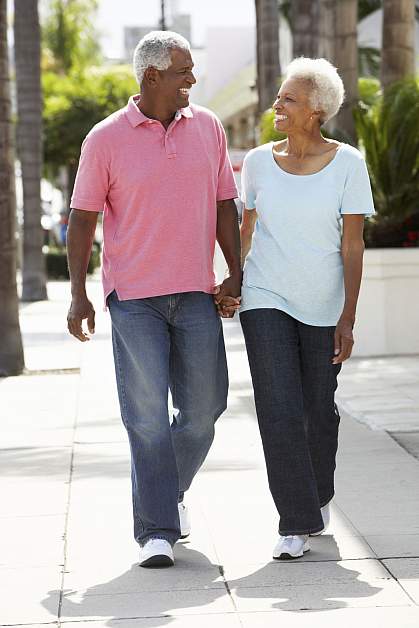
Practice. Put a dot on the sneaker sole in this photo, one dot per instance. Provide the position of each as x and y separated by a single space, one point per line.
286 556
160 560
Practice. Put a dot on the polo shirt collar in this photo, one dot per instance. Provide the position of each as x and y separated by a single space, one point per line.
136 117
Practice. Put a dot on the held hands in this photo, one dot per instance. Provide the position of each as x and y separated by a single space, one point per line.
80 309
344 340
227 296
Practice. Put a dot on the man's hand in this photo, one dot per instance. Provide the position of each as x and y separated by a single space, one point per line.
227 296
344 340
80 309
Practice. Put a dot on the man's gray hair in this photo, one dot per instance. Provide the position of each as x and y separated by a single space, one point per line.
327 90
154 49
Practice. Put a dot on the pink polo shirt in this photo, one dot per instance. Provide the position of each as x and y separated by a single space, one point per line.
158 190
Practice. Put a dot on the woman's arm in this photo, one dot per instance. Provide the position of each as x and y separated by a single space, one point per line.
246 231
352 253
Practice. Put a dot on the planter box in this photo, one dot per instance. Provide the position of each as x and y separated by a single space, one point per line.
388 307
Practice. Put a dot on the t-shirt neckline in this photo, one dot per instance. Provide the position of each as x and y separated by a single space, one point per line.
313 174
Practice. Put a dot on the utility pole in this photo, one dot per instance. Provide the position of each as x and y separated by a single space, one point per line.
163 19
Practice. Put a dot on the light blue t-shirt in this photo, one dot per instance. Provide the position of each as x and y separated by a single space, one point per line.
295 262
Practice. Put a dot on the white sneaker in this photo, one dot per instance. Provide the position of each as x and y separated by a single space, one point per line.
291 547
326 519
185 521
156 553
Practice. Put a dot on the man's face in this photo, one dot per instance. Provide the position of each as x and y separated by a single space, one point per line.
177 80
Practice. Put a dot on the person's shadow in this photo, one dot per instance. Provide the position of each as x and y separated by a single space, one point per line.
312 583
155 594
316 582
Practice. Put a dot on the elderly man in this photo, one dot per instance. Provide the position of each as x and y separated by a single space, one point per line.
160 171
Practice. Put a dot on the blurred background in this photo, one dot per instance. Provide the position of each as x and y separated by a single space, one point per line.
69 66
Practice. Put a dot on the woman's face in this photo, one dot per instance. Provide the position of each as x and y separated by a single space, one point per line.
292 108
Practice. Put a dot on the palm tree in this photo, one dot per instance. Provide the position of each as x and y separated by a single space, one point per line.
29 144
397 56
267 45
305 28
338 43
11 350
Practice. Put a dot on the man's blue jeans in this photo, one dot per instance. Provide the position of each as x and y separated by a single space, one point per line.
167 342
294 382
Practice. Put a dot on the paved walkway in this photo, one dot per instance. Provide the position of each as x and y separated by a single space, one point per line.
66 552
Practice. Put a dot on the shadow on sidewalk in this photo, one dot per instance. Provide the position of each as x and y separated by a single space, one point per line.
159 595
302 585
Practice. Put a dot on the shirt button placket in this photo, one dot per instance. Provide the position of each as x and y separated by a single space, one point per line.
170 146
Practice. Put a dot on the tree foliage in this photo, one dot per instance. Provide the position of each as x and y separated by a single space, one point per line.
69 38
74 104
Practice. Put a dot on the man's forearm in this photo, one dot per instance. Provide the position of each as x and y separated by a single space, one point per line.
228 235
80 234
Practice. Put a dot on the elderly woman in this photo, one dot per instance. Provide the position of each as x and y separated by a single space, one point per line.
302 237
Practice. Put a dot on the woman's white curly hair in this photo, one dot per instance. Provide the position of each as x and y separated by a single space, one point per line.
153 50
327 90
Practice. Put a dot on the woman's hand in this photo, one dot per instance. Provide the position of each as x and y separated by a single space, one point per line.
344 339
227 296
228 306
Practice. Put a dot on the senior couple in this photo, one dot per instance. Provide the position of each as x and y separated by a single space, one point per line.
159 170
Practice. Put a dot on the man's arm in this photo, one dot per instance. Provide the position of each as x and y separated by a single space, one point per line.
229 305
80 234
228 238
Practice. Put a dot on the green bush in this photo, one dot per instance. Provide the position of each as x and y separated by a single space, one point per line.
56 262
389 134
369 90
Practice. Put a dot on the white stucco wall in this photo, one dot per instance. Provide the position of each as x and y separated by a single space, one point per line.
388 307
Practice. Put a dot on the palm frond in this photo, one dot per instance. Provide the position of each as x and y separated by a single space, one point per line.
389 134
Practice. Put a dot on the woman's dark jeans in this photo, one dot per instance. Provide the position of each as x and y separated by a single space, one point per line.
294 383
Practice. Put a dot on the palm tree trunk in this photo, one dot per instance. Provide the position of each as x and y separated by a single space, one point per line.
11 350
338 43
29 144
267 48
398 48
305 28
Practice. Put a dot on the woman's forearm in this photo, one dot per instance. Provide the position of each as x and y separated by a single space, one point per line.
352 271
245 243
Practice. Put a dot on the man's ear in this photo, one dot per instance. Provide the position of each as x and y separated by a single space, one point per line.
151 76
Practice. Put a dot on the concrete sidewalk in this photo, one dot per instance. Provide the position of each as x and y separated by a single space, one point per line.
66 548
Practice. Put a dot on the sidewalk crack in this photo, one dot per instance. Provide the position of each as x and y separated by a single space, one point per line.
67 513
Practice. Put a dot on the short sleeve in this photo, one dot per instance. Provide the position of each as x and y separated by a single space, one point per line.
357 195
226 187
92 180
247 192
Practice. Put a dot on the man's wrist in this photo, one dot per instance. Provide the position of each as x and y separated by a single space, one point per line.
236 273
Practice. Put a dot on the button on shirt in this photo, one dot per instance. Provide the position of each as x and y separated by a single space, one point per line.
295 263
158 190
